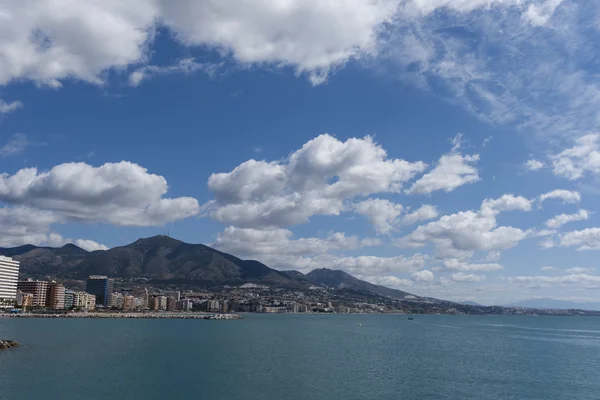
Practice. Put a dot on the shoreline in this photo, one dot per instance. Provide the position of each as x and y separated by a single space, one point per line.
128 315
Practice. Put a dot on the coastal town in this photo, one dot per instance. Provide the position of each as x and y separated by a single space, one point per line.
101 296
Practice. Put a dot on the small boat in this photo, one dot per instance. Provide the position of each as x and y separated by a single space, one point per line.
410 317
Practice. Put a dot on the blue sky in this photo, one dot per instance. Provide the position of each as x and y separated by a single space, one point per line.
442 148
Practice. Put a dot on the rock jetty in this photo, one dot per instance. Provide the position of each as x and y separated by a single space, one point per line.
7 344
147 315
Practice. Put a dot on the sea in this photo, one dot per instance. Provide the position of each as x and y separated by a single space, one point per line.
328 357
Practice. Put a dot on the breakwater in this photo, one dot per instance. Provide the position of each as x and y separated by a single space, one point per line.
148 315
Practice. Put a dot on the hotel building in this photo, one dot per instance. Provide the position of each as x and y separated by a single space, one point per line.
9 275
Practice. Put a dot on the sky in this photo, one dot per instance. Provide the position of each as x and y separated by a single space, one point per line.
445 148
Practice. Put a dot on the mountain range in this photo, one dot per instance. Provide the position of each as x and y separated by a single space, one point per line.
165 260
553 304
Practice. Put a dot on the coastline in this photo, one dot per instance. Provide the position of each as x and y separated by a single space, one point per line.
142 315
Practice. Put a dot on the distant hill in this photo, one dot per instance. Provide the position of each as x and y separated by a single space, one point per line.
341 280
553 304
470 303
163 259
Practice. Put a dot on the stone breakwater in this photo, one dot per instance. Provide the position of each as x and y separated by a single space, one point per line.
127 315
7 344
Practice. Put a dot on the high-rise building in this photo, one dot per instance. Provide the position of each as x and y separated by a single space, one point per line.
9 275
69 299
55 297
39 290
101 287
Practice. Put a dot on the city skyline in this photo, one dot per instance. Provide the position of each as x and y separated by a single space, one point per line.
414 145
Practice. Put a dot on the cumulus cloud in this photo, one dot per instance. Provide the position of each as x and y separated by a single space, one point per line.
586 239
422 276
314 180
118 193
47 44
279 249
56 240
423 213
567 196
534 165
472 230
452 171
382 214
584 157
560 220
25 225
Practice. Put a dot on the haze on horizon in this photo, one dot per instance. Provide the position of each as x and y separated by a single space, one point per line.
448 149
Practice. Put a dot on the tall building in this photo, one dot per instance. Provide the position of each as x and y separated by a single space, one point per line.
9 275
101 287
55 297
38 289
69 299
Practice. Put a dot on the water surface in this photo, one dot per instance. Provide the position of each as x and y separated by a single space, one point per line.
327 357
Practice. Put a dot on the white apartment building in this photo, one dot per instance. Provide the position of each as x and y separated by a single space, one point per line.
9 275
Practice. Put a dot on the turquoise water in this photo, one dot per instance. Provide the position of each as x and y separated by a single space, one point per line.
327 357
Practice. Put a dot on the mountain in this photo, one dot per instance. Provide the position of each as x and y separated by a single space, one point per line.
341 280
553 304
470 303
165 260
160 258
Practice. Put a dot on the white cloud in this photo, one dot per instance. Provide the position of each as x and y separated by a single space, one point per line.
462 277
452 170
24 225
248 242
472 230
382 214
492 256
16 145
118 193
580 270
387 281
584 157
278 248
547 243
422 276
534 165
314 180
567 196
49 42
56 240
548 269
423 213
9 107
560 220
185 66
507 202
586 239
46 41
457 265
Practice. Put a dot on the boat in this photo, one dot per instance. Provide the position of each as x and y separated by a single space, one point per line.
410 317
